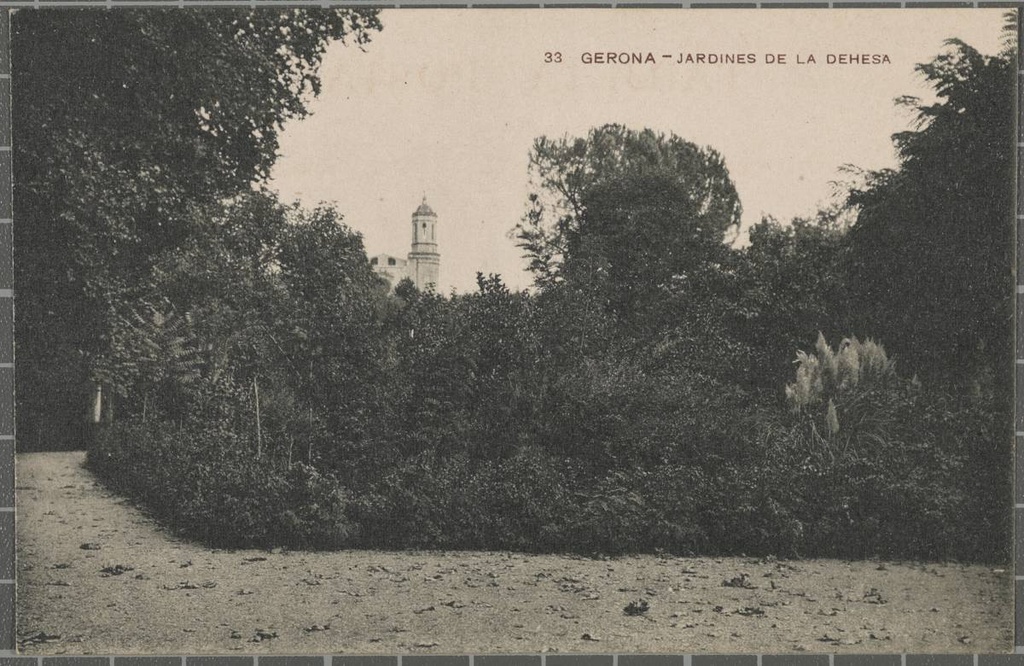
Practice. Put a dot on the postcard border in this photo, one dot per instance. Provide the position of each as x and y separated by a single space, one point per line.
8 645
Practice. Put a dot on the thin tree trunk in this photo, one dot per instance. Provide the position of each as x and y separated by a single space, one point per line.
259 430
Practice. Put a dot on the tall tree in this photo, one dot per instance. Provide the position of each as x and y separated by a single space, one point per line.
128 123
647 245
565 171
931 262
334 319
794 289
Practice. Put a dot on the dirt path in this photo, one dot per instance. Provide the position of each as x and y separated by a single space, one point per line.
162 595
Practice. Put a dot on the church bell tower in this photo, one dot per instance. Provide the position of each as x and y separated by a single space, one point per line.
424 259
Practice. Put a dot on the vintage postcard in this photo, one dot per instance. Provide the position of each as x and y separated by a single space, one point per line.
358 331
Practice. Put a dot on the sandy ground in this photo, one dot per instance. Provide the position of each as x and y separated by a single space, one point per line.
97 576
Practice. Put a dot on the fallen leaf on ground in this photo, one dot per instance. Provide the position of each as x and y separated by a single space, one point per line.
743 580
117 569
38 637
638 607
874 596
183 585
317 627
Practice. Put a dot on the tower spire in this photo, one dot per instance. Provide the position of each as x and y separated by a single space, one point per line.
424 259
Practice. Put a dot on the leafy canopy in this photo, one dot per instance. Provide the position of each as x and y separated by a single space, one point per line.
565 172
930 267
133 127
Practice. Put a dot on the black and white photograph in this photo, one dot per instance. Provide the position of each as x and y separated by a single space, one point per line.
361 331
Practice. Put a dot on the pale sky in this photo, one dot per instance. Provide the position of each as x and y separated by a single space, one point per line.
447 103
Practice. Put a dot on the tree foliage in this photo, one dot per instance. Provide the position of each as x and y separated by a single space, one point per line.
641 240
565 171
930 268
132 125
793 287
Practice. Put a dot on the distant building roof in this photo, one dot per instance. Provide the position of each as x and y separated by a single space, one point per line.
387 260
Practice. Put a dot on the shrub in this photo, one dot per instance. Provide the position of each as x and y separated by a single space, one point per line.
871 464
439 501
860 463
208 484
826 377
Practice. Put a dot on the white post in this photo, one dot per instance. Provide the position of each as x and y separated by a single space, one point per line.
97 404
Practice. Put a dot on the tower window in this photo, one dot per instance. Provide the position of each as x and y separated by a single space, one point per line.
391 261
373 262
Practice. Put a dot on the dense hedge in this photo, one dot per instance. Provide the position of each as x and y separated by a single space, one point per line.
205 485
908 484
